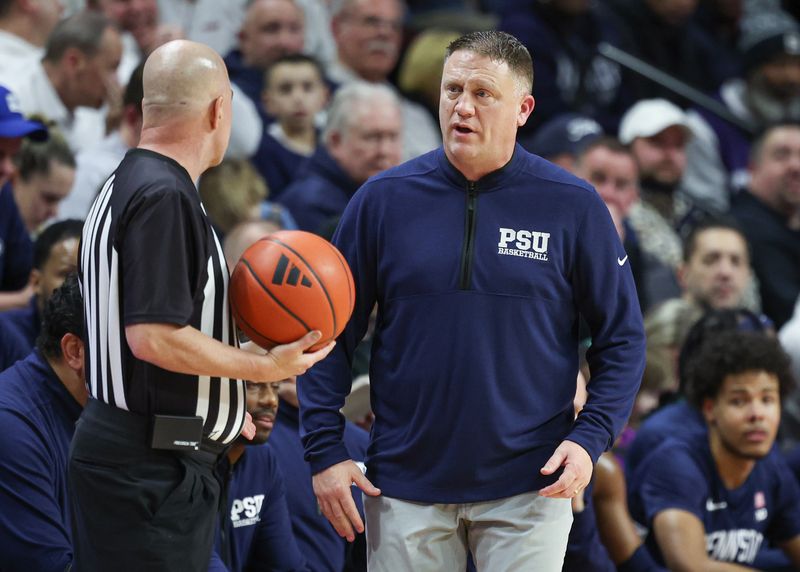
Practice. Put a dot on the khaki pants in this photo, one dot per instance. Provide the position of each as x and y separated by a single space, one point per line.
521 533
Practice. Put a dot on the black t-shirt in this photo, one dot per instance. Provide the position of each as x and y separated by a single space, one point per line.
150 255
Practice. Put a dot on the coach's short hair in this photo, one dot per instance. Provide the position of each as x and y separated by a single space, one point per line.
83 31
500 47
350 96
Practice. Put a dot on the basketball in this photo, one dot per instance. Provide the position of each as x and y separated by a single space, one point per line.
288 284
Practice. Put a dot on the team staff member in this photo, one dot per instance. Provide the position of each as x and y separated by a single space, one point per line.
480 257
162 363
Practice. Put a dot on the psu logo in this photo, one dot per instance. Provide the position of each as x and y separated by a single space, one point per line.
245 511
523 243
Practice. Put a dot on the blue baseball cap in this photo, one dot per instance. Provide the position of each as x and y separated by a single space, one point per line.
13 124
567 133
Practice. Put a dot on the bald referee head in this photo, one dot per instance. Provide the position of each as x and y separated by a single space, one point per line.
187 105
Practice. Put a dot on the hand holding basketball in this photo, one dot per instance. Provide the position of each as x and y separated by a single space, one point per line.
292 359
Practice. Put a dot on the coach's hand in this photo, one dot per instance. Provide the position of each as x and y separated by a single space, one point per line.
577 471
291 359
332 487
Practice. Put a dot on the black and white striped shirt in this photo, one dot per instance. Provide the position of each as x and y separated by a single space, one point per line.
150 255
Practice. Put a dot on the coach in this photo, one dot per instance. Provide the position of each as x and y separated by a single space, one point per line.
481 257
162 362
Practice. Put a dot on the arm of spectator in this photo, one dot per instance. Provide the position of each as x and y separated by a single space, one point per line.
614 522
682 539
17 299
184 349
791 548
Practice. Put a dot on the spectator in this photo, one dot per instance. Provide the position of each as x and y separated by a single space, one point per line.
94 164
255 531
657 132
40 400
55 257
232 192
361 139
562 138
571 76
45 174
323 548
203 21
769 92
420 72
24 28
715 272
769 212
294 93
368 36
271 29
75 78
719 497
663 34
141 30
16 248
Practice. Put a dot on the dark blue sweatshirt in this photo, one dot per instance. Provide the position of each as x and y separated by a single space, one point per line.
37 420
475 354
259 533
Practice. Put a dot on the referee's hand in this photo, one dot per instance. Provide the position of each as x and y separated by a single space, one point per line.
332 487
291 359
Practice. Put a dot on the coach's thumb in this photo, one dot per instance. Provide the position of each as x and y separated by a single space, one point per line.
553 463
365 485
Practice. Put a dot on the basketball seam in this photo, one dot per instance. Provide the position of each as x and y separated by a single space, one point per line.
310 269
271 295
240 318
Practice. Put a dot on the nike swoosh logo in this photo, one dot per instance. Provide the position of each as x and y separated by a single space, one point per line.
712 506
621 261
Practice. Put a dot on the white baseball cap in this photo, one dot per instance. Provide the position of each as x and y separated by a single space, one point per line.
650 117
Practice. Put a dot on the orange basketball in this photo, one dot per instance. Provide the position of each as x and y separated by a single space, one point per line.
289 283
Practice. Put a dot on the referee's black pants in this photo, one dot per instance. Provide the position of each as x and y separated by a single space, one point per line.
136 508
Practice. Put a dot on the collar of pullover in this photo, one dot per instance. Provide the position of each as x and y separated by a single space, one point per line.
491 182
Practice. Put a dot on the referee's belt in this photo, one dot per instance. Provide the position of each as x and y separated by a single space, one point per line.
164 432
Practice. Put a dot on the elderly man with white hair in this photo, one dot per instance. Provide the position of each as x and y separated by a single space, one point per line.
362 137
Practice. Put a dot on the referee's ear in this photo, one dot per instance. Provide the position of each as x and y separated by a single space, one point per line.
217 112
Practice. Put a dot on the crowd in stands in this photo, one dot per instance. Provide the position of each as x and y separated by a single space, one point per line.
697 158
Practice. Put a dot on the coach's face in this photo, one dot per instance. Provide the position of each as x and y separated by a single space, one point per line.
481 106
262 404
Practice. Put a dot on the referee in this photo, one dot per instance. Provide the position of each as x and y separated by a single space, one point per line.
162 362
